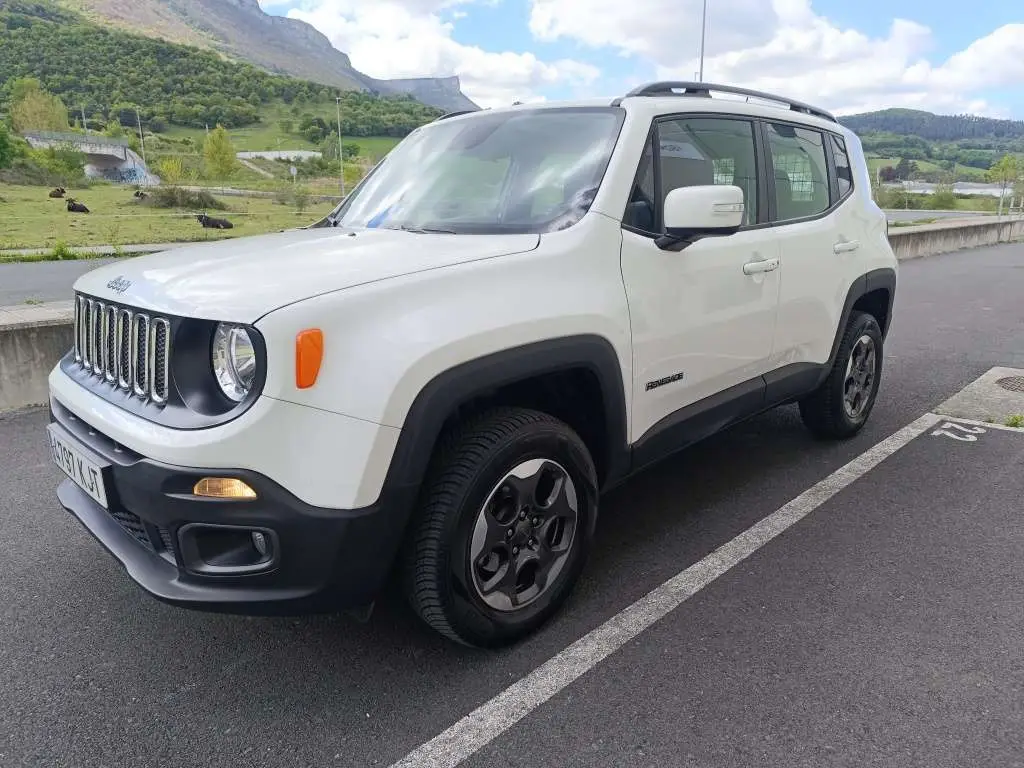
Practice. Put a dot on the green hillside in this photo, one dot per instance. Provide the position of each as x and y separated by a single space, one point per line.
961 147
107 74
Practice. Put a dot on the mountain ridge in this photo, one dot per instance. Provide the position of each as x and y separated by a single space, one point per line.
932 126
240 29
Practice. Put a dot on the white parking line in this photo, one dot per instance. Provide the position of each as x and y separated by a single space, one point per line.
494 717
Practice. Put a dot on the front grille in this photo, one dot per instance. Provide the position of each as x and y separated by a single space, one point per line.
125 347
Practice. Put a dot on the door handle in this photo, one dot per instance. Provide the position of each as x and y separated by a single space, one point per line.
764 265
846 246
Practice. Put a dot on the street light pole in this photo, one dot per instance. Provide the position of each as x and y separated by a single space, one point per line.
142 137
341 152
703 31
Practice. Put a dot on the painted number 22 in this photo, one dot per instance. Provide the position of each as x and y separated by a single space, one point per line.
958 432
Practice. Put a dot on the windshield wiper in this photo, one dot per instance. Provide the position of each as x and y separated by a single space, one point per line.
427 230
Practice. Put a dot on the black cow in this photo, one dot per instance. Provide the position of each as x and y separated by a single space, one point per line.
58 192
211 223
140 194
76 207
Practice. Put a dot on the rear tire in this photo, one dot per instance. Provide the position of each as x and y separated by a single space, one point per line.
506 518
840 407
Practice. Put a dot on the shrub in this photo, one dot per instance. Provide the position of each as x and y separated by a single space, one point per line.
61 252
300 199
176 197
26 171
943 198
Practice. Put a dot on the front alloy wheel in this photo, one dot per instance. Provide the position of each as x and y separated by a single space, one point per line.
523 534
506 519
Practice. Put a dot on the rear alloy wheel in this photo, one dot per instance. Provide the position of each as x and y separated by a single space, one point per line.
840 407
507 516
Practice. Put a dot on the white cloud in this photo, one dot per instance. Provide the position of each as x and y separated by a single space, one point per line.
774 45
785 47
408 38
665 31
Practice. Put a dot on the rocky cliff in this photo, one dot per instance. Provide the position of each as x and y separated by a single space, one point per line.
240 29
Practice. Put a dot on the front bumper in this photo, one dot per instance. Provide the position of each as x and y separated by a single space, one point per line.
319 559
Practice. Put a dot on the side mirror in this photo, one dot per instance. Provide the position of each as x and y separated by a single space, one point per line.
695 212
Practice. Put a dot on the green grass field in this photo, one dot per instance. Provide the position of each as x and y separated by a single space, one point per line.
32 220
267 134
965 172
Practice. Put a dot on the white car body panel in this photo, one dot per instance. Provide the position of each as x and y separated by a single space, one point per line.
696 314
241 280
384 341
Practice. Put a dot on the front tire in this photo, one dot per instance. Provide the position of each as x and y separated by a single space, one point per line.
840 407
506 519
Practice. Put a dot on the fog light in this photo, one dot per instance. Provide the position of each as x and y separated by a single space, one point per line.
223 488
259 541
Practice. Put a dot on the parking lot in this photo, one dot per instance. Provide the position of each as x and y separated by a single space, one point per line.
878 621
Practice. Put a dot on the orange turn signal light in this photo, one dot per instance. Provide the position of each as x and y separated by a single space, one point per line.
223 488
309 353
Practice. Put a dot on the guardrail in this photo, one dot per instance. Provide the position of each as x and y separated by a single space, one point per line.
33 339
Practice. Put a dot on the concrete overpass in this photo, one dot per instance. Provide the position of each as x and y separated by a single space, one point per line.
106 157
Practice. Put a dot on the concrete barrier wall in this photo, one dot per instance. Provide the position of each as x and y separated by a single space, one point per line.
933 239
28 351
33 339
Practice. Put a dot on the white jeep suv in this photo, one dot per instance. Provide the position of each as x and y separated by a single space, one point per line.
515 310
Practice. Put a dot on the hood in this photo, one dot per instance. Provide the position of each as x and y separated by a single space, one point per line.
241 280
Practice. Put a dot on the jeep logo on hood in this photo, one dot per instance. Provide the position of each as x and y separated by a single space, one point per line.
119 284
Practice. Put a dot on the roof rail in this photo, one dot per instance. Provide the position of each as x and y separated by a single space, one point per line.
446 115
670 88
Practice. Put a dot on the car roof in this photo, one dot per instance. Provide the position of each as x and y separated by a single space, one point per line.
669 97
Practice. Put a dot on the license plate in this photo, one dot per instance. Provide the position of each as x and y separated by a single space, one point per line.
84 473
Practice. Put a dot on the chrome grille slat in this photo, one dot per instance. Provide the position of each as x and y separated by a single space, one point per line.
109 341
160 355
140 354
124 347
96 333
78 329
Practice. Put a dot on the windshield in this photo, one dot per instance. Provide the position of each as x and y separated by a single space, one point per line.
522 172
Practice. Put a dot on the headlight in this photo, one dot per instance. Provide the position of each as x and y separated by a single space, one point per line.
234 361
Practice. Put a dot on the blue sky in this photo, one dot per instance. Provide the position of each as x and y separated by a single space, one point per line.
847 56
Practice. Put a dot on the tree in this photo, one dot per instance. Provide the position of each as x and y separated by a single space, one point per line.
219 154
6 147
1004 173
170 170
888 173
35 109
905 168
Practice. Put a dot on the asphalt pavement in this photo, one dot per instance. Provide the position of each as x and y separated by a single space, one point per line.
883 629
42 280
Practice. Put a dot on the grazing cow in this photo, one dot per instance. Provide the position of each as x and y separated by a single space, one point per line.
140 194
76 207
210 223
58 192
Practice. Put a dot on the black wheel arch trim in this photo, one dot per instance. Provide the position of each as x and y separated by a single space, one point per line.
451 389
874 280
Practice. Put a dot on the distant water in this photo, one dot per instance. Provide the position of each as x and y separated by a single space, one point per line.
960 187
